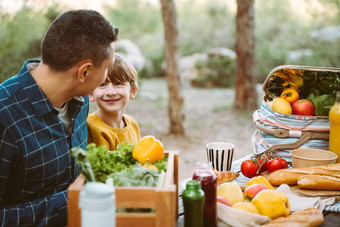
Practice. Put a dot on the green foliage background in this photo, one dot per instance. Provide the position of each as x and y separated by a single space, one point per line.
204 24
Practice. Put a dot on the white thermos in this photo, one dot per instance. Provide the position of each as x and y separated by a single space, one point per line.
97 204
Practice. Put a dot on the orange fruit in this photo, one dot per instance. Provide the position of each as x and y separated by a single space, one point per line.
282 106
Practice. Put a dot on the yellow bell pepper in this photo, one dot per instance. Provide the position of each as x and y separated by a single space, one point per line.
290 94
148 148
271 203
260 180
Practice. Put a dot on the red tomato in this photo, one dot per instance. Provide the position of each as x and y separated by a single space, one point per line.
276 163
249 168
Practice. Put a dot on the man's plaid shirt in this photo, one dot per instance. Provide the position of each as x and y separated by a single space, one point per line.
35 165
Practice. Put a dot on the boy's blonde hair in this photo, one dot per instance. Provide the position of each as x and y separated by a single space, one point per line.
122 71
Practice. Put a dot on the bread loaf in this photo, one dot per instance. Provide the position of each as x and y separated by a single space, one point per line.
309 217
225 176
290 176
319 182
286 176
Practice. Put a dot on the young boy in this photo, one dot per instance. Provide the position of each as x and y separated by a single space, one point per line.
109 125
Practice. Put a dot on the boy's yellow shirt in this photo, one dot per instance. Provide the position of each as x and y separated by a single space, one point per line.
102 134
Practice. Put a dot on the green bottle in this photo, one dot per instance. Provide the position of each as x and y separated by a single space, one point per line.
193 201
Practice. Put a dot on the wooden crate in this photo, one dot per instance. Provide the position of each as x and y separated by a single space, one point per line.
163 200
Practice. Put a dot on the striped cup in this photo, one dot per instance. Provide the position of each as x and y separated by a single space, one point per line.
220 154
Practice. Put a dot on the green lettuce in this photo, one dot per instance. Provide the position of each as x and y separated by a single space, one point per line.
322 103
98 165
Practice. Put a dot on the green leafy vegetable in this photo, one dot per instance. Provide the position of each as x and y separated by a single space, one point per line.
320 83
135 176
99 164
322 103
104 163
83 161
161 164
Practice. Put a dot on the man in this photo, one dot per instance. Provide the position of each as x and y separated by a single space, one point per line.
43 113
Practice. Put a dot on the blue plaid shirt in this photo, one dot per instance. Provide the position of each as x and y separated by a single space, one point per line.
35 166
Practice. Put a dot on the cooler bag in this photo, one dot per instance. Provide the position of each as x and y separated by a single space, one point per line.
281 133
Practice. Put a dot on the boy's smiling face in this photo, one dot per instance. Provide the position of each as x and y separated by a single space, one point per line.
112 97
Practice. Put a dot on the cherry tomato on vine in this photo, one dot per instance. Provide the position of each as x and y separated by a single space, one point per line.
249 168
276 164
264 165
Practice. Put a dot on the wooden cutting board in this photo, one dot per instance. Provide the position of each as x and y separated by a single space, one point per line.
303 192
321 193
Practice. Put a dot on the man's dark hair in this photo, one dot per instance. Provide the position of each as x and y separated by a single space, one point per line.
77 35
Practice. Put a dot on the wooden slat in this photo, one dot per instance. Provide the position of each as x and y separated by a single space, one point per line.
166 210
169 177
73 211
175 182
135 219
135 197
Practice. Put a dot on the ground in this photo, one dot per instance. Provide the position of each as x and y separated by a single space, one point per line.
209 117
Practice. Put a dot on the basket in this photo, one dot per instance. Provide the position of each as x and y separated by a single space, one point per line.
163 200
280 133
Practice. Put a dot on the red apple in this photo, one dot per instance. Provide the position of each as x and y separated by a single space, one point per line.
251 191
303 107
222 200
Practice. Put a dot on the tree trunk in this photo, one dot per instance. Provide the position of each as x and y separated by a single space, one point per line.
171 58
245 88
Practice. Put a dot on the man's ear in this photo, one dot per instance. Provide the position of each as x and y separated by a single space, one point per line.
84 71
134 92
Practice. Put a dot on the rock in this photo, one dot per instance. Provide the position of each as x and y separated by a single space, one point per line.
187 65
221 52
296 55
131 52
329 34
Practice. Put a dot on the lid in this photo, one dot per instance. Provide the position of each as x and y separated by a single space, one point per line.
96 197
97 190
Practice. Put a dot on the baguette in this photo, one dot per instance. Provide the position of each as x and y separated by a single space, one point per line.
290 176
319 182
309 217
286 176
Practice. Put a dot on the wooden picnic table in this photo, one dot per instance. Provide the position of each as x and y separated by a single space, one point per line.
332 219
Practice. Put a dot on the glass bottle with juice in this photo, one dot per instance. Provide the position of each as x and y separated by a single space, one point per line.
206 175
334 132
193 202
